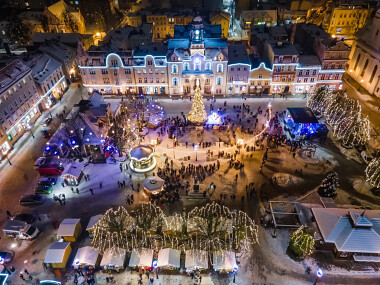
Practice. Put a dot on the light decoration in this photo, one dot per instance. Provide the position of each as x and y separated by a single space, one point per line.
197 114
302 243
329 185
372 172
214 119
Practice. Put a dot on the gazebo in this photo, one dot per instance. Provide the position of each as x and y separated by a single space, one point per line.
153 185
142 159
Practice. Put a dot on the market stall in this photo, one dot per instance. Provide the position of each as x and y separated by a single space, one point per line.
153 185
86 256
169 258
58 254
142 158
141 258
196 259
69 229
172 225
224 260
113 259
91 224
73 173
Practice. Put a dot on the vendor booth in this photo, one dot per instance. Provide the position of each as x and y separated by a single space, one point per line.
153 185
301 122
58 254
169 258
73 173
141 258
92 223
196 259
224 260
86 256
113 259
172 225
142 159
69 229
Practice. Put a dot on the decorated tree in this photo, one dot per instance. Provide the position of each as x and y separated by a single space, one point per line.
373 172
329 185
301 243
197 114
114 230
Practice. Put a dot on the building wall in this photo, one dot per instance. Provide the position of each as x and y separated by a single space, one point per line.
260 80
223 22
238 78
306 79
163 25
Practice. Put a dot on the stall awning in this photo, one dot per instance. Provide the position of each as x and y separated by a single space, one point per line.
93 221
224 260
169 257
113 257
303 116
143 257
73 169
86 256
56 252
67 227
196 259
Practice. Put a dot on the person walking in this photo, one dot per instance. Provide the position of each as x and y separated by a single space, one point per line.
22 277
91 191
100 185
72 189
8 214
78 190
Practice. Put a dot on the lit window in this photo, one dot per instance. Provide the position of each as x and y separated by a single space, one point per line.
175 81
175 69
219 80
220 68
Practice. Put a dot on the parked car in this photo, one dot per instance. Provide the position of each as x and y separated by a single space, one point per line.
6 256
45 133
31 200
43 189
47 122
28 218
49 181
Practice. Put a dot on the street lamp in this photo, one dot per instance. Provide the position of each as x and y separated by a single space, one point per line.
319 275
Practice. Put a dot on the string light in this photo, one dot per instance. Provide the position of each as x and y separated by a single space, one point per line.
329 185
373 172
197 114
302 243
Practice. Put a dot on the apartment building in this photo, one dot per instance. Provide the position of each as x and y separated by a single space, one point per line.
238 70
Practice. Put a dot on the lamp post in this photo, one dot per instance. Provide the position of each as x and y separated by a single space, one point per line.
319 275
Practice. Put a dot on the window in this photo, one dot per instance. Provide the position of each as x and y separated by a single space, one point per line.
197 64
174 69
175 81
219 80
115 72
106 80
278 68
151 80
307 72
157 80
357 61
305 80
208 66
187 80
332 66
312 79
162 80
150 62
364 68
219 68
156 71
140 80
373 74
299 73
260 76
145 80
186 66
104 71
127 71
162 71
138 71
314 72
238 69
232 69
114 62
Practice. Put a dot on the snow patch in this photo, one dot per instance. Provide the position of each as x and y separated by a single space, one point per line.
286 179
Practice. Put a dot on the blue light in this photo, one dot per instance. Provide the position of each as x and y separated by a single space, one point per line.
61 144
102 140
236 268
155 263
153 106
56 152
73 142
5 278
108 148
47 148
319 273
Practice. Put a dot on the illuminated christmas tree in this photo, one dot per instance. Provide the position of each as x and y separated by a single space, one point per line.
373 172
329 185
197 114
301 242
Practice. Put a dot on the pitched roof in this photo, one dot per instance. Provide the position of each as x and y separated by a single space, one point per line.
303 115
350 230
237 54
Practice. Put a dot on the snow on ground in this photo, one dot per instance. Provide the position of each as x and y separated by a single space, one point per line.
348 153
286 179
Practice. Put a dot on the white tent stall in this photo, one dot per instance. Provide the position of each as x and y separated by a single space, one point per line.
169 258
92 222
113 258
224 260
141 258
86 256
196 259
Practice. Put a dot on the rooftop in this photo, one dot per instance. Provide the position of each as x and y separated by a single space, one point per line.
308 60
303 116
237 54
42 66
12 72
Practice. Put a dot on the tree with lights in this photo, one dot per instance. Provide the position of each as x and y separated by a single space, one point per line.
197 114
301 243
114 230
329 185
373 172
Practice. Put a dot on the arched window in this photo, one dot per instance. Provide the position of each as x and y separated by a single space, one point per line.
219 68
208 66
186 66
197 64
175 81
174 68
219 80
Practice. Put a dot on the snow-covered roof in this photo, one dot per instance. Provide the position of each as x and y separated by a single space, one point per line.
196 259
143 257
113 256
74 168
224 260
86 256
56 252
67 227
351 230
153 183
42 66
11 73
93 221
169 257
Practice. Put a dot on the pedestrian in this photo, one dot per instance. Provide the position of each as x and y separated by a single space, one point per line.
118 184
77 190
236 177
8 214
123 183
26 271
88 176
100 185
72 189
294 155
63 184
91 191
30 277
130 176
60 202
22 276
